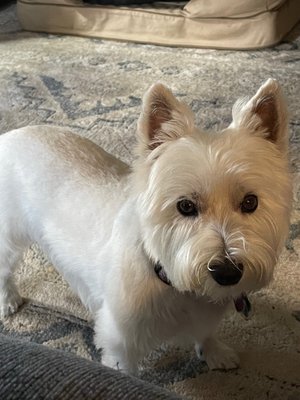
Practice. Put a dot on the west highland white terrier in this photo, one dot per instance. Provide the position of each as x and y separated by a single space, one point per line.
160 250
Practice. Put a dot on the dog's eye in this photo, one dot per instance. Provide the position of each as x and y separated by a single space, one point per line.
249 204
187 208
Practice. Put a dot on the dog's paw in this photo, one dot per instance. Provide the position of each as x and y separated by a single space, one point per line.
110 362
9 304
218 355
119 365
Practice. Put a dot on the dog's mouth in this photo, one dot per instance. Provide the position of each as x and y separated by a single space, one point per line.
241 303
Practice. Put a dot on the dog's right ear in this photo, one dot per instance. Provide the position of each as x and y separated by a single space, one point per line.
163 118
265 114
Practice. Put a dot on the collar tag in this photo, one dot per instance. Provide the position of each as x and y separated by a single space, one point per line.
161 274
243 305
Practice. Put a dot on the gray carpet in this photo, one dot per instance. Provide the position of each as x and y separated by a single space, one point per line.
95 87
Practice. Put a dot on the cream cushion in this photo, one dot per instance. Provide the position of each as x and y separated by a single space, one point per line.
236 24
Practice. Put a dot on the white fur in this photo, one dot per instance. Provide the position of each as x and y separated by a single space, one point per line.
104 227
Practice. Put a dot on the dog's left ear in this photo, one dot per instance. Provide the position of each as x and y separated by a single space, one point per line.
265 114
163 118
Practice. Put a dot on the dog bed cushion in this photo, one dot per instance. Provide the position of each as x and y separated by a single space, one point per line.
233 24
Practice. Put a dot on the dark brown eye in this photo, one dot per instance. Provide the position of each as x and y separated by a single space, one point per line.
249 204
187 208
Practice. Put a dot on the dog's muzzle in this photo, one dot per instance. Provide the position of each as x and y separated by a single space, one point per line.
226 273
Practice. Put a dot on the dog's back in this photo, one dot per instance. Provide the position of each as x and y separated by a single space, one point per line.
59 190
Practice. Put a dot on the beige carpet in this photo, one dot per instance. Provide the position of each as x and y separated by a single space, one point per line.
94 87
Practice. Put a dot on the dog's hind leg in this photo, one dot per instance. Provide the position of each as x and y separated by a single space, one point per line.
10 299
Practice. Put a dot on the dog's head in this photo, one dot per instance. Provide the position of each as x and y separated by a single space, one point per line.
214 207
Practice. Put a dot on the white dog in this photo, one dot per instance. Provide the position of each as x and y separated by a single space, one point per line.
160 251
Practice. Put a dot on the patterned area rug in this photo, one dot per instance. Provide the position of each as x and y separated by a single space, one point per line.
95 87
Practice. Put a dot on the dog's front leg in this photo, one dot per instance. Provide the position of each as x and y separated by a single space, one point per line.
117 350
117 359
216 354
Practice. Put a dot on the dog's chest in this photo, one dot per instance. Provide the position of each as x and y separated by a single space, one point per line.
177 316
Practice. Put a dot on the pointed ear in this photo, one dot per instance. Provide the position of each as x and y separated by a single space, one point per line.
265 114
163 118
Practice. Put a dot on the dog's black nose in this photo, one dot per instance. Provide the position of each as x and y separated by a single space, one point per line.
226 273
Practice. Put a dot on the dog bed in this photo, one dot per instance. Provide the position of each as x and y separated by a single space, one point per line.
232 24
